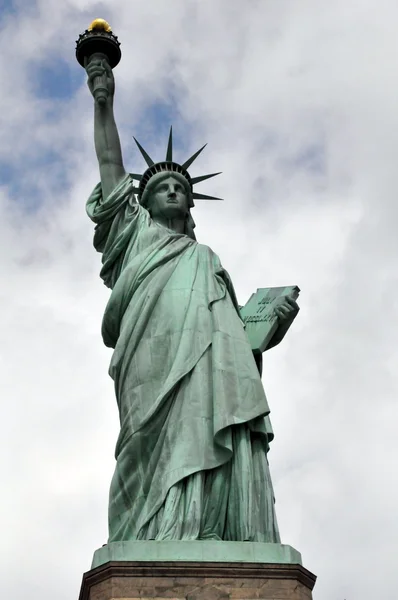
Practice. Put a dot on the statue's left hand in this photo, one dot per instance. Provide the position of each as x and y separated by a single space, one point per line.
286 309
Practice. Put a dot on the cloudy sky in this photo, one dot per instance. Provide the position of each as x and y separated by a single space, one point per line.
298 101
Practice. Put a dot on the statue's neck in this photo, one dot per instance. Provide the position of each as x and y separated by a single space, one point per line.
177 225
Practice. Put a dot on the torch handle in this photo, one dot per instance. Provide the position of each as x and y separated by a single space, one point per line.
100 87
100 90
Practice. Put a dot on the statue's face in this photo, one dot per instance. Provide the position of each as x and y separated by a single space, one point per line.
169 199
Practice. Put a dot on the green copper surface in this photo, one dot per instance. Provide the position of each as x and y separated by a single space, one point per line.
191 457
199 551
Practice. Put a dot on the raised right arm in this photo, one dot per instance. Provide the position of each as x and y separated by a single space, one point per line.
106 136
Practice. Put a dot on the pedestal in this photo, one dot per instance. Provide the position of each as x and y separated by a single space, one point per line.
197 571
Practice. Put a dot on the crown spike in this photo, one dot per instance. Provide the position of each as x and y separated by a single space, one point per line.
169 153
197 196
189 162
146 156
203 177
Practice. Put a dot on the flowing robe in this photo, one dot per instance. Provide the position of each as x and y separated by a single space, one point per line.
192 450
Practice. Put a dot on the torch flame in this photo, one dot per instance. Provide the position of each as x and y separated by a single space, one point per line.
100 24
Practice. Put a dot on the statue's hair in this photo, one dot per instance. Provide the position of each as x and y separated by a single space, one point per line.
145 200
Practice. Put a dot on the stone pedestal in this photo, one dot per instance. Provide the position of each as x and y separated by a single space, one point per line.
207 579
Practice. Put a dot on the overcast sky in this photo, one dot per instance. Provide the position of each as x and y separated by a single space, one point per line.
298 101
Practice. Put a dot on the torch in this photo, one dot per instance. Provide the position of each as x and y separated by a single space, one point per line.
98 41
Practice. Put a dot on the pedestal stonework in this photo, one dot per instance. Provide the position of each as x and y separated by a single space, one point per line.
208 579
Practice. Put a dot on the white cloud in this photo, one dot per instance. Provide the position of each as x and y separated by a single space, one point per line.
271 87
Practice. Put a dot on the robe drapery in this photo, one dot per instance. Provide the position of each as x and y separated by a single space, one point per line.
191 457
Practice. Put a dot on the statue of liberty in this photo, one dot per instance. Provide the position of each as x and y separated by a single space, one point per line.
191 457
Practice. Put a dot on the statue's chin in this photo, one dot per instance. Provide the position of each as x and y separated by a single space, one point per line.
173 211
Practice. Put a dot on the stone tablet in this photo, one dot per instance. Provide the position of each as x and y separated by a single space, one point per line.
259 316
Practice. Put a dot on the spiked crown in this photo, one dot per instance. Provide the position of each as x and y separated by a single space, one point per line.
170 166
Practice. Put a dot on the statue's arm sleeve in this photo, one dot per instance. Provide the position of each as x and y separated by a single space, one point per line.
113 214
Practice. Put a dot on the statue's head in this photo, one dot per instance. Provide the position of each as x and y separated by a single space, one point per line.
168 195
166 188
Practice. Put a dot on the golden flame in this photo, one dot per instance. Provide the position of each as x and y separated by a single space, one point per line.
100 24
